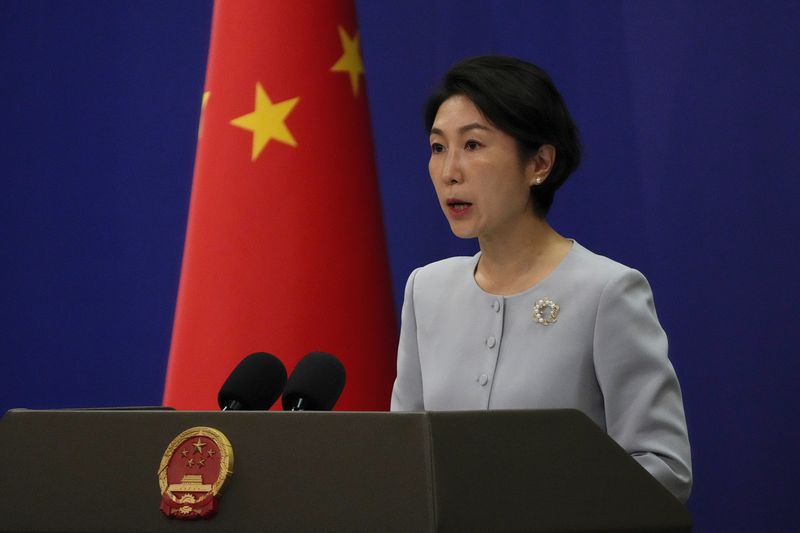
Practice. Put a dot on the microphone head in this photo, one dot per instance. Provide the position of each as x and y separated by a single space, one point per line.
254 384
318 379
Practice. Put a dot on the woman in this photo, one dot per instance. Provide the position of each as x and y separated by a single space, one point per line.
534 320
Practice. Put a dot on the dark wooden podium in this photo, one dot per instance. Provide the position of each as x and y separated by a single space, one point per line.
485 471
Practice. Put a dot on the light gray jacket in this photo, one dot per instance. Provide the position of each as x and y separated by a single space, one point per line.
606 354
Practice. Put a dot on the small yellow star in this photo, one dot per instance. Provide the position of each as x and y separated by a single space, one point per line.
211 453
201 463
350 61
190 463
267 121
198 446
206 96
184 453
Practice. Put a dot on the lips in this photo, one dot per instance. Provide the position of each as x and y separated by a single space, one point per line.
458 207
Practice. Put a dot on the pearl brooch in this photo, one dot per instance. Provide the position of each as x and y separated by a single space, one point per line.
545 312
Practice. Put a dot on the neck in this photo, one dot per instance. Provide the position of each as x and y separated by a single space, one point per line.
517 259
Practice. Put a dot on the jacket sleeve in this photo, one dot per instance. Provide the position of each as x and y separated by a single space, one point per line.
643 404
407 390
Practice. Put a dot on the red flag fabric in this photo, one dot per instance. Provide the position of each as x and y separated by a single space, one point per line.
285 248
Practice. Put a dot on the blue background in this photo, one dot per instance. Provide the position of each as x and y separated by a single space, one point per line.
690 124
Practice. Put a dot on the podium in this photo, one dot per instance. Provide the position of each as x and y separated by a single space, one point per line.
487 471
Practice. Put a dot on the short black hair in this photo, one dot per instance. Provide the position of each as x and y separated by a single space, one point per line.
520 99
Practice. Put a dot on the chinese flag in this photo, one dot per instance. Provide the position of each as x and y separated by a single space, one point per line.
285 249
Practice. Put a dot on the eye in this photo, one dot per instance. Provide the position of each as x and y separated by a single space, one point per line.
471 146
437 148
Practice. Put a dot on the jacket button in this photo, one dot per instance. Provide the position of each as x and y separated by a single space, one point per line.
496 306
490 342
483 380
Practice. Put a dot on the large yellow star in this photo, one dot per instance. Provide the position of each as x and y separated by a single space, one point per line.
351 59
198 446
267 121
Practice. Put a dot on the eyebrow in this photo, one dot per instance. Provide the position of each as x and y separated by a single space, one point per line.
462 129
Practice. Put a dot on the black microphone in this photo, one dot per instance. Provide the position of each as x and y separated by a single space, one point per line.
254 384
315 384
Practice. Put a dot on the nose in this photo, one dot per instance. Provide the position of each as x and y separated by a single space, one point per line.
450 172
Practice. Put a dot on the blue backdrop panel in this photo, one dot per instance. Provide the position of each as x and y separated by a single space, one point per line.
100 102
690 125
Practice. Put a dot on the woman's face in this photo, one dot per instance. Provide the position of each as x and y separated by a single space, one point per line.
483 188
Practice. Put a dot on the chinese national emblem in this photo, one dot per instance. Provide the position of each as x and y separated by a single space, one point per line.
193 469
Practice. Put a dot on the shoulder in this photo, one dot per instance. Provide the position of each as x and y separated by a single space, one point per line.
445 269
599 265
442 279
594 270
613 286
592 281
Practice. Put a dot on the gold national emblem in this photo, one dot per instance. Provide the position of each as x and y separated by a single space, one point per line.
192 471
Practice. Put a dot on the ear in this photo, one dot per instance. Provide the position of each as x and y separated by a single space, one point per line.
540 164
